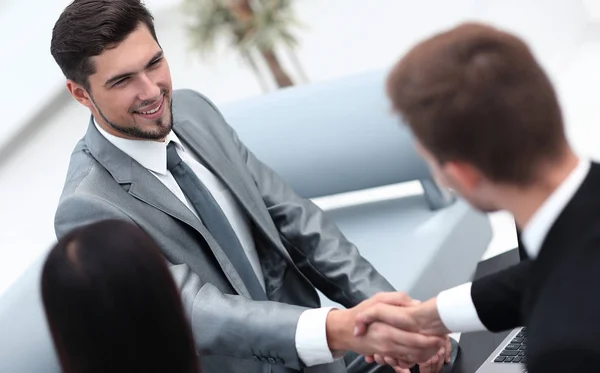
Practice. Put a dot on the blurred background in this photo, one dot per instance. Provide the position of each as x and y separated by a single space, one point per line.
291 43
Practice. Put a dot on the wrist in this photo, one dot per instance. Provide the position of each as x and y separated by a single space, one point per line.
428 318
339 329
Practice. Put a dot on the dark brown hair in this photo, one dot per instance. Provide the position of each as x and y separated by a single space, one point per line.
88 27
112 304
476 94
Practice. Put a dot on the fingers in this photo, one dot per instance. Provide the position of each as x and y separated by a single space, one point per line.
401 345
390 361
433 367
439 364
379 359
391 298
388 314
360 329
426 366
396 298
396 364
435 364
448 350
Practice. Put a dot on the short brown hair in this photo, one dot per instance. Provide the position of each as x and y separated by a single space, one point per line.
476 94
88 27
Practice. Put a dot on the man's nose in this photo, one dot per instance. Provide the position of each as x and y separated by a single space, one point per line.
149 89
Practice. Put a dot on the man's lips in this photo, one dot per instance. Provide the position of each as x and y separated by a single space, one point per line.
151 107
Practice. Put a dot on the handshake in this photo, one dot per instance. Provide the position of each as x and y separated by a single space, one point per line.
391 328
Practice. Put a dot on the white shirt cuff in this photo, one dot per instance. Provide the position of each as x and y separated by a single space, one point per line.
457 310
311 337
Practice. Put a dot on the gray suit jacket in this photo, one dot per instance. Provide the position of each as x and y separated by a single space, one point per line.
299 248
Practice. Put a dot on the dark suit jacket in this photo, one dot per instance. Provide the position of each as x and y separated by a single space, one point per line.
555 295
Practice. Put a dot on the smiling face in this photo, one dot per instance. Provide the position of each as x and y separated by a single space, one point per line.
130 92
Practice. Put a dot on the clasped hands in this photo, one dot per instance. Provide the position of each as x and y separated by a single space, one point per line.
391 328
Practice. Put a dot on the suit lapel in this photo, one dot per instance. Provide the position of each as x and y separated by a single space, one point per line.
150 190
147 188
218 163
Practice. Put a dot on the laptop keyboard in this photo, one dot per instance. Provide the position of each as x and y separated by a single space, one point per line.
514 352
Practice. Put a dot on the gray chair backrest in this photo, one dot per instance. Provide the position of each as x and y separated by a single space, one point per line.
332 137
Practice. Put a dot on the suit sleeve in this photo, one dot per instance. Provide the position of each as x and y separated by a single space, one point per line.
497 297
319 249
217 320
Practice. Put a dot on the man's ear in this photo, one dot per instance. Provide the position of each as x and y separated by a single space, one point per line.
80 94
463 174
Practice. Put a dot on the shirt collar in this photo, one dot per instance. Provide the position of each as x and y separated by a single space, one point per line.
152 155
542 220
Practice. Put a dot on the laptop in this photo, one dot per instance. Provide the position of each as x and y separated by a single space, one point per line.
509 356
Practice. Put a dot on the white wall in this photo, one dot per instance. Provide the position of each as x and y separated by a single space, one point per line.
343 37
30 184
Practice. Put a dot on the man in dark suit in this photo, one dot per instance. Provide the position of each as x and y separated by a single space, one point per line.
246 252
487 120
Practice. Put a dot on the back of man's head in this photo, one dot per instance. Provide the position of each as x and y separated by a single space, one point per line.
476 94
86 28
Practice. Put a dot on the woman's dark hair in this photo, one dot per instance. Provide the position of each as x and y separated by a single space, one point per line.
112 304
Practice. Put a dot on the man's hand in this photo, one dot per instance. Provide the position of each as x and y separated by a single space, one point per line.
436 363
424 315
427 319
399 341
433 365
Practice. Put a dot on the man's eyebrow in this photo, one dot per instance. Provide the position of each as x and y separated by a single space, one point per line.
118 77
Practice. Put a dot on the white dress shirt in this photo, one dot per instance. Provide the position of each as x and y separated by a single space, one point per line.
456 307
311 337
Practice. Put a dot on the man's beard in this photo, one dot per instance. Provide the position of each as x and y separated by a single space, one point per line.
163 129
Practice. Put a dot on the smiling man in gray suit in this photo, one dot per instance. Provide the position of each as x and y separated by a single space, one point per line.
245 250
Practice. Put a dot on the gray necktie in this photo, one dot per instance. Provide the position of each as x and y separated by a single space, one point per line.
214 220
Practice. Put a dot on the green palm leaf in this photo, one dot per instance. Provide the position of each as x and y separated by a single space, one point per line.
245 25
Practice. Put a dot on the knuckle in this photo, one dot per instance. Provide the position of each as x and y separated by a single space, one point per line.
426 342
381 330
421 356
388 349
411 340
384 348
442 351
376 309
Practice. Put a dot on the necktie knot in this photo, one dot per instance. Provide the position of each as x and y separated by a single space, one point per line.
173 159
